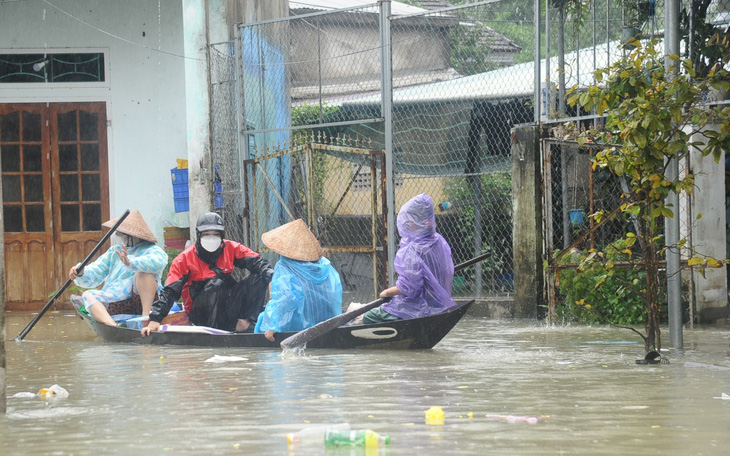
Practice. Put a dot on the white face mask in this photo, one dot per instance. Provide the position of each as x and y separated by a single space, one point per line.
122 239
210 242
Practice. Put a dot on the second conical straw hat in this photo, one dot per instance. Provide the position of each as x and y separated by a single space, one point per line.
293 240
133 225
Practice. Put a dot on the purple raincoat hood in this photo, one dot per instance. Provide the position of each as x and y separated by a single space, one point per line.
416 218
423 263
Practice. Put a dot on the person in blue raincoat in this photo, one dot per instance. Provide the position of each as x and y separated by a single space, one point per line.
130 271
305 288
424 266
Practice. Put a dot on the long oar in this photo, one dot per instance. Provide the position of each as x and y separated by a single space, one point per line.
313 332
27 329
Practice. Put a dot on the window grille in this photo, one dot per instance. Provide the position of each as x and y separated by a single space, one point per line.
52 68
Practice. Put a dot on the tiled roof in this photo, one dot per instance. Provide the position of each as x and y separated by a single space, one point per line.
497 41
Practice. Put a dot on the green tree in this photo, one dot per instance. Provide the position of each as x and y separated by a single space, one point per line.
470 48
515 20
651 118
618 300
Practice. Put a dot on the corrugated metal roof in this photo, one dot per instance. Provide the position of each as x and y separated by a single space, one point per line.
504 83
396 8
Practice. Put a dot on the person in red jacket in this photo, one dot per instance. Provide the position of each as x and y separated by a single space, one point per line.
202 274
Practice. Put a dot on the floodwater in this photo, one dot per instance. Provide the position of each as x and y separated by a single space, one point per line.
493 380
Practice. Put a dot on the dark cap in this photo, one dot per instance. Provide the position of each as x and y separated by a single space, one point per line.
210 221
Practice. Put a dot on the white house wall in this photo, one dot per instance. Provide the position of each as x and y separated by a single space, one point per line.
144 88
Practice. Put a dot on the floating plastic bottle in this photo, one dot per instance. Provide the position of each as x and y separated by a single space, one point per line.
363 438
314 434
53 391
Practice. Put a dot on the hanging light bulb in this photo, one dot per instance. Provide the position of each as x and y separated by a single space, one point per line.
39 66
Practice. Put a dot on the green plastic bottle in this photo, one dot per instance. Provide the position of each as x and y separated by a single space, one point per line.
362 437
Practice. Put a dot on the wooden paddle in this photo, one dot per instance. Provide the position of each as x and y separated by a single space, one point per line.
80 269
313 332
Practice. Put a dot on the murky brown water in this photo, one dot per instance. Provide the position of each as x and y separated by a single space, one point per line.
581 382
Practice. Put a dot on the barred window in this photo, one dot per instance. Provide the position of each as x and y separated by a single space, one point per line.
52 68
363 179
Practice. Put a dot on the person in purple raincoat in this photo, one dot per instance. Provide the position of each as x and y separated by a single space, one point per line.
424 266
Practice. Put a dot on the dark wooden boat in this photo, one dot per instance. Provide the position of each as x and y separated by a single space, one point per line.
418 333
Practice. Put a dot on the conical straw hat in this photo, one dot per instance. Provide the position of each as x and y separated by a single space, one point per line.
133 225
293 240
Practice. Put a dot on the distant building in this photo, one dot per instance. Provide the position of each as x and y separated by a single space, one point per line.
502 49
333 55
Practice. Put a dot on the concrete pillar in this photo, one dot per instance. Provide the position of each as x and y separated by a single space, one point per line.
261 10
206 22
708 237
527 221
197 83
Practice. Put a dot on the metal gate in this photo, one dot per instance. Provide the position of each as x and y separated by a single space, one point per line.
573 191
336 185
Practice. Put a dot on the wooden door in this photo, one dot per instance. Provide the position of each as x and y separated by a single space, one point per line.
28 221
55 194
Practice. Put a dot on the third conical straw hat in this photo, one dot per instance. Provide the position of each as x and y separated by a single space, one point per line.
293 240
133 225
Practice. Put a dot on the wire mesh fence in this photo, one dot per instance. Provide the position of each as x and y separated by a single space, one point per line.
225 176
433 90
456 87
583 216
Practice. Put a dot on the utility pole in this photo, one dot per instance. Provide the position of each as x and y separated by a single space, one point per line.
671 225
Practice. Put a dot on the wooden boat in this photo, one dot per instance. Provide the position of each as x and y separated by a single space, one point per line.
418 333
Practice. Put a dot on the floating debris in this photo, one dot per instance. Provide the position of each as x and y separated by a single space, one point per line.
224 359
435 416
514 418
652 357
24 395
53 391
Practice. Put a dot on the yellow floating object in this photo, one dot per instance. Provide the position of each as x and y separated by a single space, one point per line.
435 416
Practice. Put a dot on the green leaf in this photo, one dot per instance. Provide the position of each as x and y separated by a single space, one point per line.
639 139
694 261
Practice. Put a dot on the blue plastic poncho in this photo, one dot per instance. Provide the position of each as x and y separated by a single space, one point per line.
118 278
423 263
303 293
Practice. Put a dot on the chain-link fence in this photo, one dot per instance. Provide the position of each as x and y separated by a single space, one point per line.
225 175
444 102
434 94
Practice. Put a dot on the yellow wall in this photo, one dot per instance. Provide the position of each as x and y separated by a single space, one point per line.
358 200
